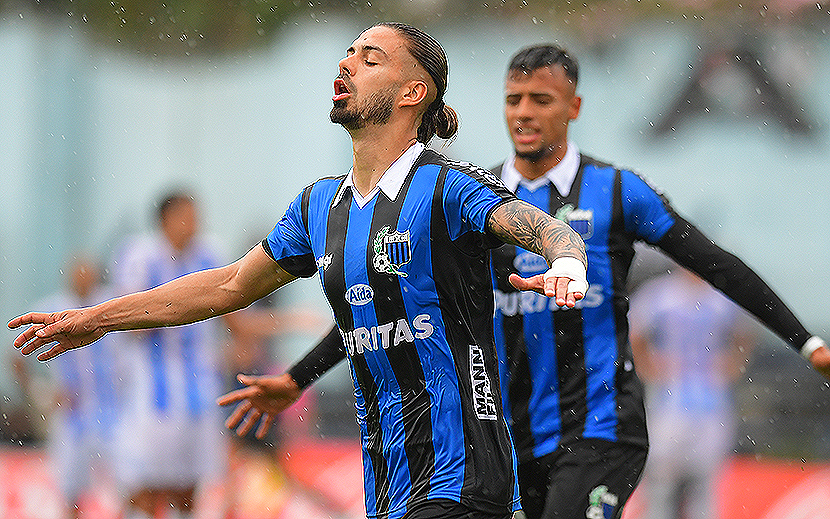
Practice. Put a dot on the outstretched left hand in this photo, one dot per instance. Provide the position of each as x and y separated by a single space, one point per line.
556 287
566 281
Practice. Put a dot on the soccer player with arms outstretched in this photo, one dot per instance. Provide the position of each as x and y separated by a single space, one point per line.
402 245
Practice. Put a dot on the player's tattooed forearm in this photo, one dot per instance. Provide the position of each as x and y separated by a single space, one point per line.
520 223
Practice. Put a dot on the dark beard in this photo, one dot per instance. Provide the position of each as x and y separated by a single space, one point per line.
537 155
379 111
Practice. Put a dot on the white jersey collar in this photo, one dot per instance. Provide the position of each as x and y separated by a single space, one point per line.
390 182
561 175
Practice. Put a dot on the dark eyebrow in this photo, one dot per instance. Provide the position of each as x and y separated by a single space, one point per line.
366 48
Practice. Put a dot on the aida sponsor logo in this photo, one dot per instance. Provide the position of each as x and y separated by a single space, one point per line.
483 402
359 294
387 335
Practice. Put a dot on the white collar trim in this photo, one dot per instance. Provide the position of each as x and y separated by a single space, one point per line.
390 182
561 175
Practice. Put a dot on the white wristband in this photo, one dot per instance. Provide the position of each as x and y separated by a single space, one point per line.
813 343
569 268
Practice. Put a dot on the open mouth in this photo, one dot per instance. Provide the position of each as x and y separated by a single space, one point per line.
341 91
525 134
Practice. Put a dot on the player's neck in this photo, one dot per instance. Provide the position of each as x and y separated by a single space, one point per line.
531 170
374 149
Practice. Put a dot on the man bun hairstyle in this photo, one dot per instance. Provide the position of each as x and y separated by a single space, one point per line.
535 57
438 119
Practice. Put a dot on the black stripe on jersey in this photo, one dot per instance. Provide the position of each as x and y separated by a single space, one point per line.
570 368
334 277
570 343
335 283
304 206
629 390
404 359
620 242
468 279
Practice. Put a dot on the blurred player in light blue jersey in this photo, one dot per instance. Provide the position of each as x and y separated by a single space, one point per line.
689 342
80 396
170 440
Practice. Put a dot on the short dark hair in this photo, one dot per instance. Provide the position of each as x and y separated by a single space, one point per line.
438 119
535 57
170 200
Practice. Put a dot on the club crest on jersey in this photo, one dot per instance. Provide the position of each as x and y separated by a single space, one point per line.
601 503
323 262
392 251
580 220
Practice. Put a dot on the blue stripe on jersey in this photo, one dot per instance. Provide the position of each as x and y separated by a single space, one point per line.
471 200
600 343
289 238
155 342
356 273
538 330
189 345
101 370
188 341
645 213
435 358
72 382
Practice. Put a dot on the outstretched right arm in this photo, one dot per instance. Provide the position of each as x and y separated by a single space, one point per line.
190 298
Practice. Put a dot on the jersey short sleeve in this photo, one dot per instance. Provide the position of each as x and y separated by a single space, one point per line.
289 244
646 211
470 195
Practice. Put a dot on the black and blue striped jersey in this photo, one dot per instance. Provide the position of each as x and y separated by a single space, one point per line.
409 281
568 373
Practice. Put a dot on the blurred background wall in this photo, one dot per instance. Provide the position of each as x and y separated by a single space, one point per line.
725 106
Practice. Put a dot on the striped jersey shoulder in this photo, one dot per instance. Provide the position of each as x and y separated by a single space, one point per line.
481 175
324 190
329 182
622 172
